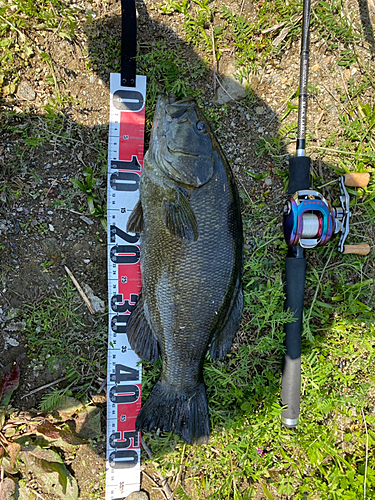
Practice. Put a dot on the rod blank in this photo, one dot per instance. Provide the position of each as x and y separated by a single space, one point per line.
304 71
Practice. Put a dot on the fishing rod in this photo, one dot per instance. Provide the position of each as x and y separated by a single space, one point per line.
309 221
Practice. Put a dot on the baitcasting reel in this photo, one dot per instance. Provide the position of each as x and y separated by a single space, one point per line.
310 220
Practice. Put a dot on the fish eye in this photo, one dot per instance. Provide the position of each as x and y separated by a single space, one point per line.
201 126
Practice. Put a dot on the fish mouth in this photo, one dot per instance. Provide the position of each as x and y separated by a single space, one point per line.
180 153
168 109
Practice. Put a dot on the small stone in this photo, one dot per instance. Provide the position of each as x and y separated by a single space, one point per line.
230 88
50 247
87 220
12 342
13 313
26 92
48 166
138 495
259 110
347 74
96 302
261 130
50 227
268 181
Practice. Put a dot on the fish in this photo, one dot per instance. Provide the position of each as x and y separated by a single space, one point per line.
189 220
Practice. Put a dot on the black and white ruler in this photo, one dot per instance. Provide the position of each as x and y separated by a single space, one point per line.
125 162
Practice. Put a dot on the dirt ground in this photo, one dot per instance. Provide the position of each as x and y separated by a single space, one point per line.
35 231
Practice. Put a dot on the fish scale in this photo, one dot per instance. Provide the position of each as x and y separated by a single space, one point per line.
216 258
191 262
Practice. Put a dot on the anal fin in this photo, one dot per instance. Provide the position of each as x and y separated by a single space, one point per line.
222 340
141 337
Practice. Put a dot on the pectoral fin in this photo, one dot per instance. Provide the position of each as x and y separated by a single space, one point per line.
179 218
135 221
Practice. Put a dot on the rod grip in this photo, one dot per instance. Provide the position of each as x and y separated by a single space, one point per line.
295 273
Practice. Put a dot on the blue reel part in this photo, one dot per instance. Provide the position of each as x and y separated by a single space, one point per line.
310 220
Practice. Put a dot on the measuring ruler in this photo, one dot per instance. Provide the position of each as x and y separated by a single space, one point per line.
124 373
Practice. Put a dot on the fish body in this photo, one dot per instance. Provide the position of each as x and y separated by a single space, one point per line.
191 261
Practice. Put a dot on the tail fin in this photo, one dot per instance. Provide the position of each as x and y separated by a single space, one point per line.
183 412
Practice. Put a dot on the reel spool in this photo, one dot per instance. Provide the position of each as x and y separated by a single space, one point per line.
311 221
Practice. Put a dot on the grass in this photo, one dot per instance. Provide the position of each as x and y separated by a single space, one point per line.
57 337
325 457
331 454
21 24
170 72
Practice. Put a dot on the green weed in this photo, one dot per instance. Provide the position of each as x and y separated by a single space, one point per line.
330 20
168 72
359 128
324 457
278 23
91 187
248 45
54 399
57 337
170 6
272 146
20 21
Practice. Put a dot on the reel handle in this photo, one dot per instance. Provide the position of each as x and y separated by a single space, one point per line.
357 179
361 249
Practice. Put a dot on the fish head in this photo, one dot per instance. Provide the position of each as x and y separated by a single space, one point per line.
182 142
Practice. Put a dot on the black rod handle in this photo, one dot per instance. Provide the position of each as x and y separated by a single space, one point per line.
128 43
295 273
299 174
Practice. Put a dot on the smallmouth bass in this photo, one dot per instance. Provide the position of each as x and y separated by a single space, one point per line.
191 301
